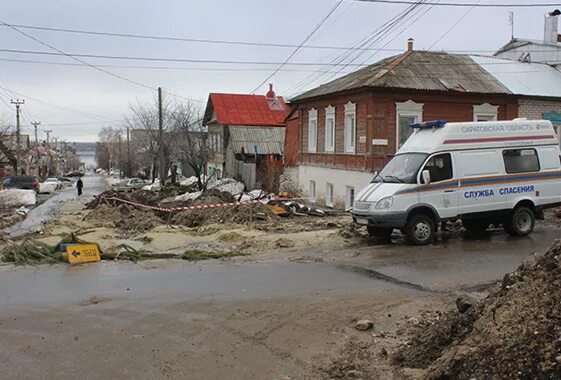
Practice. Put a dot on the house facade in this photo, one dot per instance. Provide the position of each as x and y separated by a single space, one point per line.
246 136
351 127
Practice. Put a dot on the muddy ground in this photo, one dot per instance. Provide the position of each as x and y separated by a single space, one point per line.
281 301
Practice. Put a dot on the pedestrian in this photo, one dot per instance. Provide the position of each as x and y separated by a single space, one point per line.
79 186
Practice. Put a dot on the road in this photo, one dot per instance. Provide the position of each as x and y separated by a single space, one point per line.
253 318
93 185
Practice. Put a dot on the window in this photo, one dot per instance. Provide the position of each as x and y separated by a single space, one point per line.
312 130
521 160
312 191
349 198
439 167
350 127
329 195
485 112
330 129
470 163
407 113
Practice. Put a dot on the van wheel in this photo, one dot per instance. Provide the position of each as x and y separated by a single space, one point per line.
420 230
380 233
476 226
521 222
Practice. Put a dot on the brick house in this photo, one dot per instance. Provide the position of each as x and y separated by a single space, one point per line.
246 135
350 127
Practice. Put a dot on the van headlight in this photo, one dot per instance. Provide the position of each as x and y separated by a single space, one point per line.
384 203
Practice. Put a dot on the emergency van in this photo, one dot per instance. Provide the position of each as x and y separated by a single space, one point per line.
500 172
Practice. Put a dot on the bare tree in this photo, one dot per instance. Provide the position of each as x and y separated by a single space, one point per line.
190 143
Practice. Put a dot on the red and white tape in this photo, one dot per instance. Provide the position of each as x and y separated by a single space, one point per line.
176 209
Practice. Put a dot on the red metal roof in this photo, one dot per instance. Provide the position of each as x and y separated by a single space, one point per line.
256 110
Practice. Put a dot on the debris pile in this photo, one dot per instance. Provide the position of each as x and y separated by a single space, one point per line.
515 332
261 207
12 205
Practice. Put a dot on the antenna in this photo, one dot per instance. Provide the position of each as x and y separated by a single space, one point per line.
511 23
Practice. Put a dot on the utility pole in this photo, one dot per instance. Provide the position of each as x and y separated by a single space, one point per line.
35 125
161 137
18 102
129 174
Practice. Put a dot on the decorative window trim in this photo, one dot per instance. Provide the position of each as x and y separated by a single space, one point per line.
350 111
407 108
330 115
486 110
312 117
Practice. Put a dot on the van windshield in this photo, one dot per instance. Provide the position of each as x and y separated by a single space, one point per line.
402 168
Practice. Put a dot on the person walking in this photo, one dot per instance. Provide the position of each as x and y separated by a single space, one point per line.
79 186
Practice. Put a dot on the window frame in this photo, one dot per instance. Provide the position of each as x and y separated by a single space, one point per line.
313 117
406 109
330 116
523 171
350 114
485 110
420 175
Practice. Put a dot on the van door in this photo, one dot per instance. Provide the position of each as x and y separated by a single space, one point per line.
442 192
481 179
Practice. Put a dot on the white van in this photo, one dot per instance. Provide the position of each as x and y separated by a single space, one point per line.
500 172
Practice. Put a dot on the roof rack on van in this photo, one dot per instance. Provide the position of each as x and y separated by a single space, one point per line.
429 124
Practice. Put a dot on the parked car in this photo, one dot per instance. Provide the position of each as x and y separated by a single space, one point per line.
129 184
48 187
115 173
21 182
56 181
501 173
75 173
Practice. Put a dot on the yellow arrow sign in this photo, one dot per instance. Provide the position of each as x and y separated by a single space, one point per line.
85 253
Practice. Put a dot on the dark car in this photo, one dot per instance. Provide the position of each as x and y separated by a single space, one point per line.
28 182
75 173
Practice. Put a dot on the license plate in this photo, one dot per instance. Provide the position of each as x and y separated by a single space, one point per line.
362 221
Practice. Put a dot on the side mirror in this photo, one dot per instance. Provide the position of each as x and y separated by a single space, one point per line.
425 175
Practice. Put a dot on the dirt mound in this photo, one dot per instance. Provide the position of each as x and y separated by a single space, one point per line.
514 333
237 214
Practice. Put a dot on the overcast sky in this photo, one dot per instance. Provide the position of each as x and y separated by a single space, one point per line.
91 99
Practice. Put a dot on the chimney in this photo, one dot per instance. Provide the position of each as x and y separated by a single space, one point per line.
270 94
410 44
551 27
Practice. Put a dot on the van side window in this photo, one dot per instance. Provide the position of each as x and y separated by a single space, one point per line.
521 160
439 167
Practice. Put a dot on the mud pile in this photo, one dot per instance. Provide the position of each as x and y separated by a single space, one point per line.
514 333
239 214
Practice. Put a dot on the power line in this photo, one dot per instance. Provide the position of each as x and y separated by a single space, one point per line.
81 113
75 58
152 67
264 63
297 49
450 4
454 25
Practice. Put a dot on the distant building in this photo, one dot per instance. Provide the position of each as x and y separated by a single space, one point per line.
246 137
547 50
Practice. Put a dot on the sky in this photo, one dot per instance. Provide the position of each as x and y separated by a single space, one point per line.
75 101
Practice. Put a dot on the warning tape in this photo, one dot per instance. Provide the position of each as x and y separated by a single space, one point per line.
177 209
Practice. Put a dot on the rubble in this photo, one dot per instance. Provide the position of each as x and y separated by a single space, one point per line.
364 325
515 332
